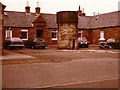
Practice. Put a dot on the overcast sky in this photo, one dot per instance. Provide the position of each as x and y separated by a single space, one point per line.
53 6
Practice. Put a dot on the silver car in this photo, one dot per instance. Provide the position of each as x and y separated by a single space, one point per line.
13 43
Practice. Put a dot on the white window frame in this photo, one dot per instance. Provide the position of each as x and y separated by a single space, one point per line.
27 34
8 32
102 36
54 31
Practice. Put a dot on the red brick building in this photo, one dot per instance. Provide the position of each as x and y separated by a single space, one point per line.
2 7
26 24
100 27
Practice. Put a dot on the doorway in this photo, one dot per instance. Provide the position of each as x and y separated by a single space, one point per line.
39 33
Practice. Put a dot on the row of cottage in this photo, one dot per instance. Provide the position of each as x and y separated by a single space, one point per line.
26 24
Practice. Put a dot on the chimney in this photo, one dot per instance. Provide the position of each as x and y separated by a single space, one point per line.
27 8
79 11
37 9
83 14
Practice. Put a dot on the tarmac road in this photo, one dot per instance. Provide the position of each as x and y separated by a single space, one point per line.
45 75
52 68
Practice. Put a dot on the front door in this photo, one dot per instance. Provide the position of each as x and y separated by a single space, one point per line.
39 33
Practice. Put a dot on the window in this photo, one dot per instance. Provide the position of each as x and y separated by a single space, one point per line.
24 34
54 34
80 33
102 35
8 33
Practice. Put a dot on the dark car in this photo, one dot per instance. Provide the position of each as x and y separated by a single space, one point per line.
13 43
83 42
35 43
110 43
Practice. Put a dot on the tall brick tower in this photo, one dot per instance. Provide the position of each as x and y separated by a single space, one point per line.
67 30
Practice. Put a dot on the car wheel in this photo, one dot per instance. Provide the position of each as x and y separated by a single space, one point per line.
101 47
43 47
86 46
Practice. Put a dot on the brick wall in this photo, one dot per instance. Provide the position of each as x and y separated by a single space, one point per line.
93 35
110 32
2 7
16 32
48 37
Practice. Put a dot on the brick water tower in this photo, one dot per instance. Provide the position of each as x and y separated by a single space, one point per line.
67 30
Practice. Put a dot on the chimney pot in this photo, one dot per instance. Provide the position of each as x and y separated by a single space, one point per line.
27 8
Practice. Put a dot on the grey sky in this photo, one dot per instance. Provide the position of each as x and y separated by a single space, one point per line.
53 6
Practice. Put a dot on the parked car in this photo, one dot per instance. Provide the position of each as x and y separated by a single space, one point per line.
35 43
110 43
13 43
83 42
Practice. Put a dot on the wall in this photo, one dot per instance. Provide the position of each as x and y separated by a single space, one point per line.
110 32
2 7
67 37
93 35
86 33
67 29
16 32
48 36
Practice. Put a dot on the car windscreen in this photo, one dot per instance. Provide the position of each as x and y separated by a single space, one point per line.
110 40
16 40
82 39
38 39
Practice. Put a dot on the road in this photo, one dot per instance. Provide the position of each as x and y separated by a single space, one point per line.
80 70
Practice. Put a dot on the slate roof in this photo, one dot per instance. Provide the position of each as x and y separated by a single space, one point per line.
99 21
105 20
83 22
18 19
51 20
21 19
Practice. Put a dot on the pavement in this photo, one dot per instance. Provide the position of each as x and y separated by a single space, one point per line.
13 55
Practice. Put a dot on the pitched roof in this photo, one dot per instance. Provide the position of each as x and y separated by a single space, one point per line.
99 21
22 19
105 20
18 19
2 5
83 22
50 20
